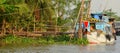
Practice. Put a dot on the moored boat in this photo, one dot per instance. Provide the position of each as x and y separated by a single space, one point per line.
102 31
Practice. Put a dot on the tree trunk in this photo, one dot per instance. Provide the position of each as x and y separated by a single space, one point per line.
88 10
37 14
28 29
80 20
3 27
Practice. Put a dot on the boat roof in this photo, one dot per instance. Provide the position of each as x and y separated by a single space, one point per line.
92 20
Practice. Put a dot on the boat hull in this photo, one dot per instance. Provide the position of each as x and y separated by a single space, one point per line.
95 39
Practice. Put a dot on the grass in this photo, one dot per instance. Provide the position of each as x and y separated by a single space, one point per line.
61 39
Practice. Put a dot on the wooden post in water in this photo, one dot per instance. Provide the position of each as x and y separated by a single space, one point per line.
80 19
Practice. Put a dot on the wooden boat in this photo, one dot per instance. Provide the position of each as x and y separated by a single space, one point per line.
93 38
103 32
100 23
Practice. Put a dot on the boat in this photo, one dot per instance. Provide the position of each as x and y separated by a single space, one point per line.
94 38
98 28
102 32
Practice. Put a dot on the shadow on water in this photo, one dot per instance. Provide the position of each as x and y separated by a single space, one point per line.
101 48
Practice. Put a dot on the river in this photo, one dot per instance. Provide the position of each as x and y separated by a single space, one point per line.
101 48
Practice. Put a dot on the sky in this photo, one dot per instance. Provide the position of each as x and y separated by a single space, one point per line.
100 5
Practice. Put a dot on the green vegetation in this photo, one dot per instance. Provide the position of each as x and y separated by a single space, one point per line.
17 16
112 14
30 16
40 15
37 15
61 39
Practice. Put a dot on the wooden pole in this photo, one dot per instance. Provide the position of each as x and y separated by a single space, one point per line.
34 24
80 19
110 13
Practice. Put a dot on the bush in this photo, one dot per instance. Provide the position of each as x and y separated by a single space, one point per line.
62 39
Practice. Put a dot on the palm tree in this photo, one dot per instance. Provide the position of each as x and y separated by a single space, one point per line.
42 10
112 14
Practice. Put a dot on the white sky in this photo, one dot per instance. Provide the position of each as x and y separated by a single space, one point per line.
100 5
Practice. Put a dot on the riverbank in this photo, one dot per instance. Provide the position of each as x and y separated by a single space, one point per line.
43 40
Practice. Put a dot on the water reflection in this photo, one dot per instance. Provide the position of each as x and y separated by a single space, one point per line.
101 48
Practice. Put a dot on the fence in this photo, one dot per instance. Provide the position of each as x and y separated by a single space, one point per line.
36 30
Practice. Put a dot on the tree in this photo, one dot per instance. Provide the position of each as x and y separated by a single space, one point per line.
6 15
112 14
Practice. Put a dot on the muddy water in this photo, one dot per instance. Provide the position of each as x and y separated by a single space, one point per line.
102 48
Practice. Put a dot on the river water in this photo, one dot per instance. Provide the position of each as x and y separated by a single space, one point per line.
101 48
